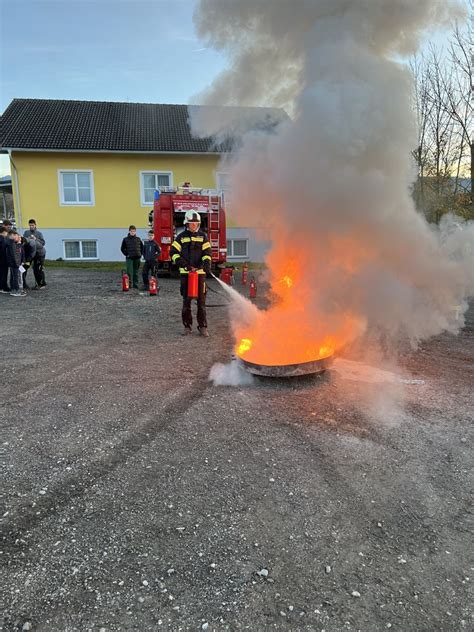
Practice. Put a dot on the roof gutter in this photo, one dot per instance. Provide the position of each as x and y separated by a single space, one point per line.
114 151
17 192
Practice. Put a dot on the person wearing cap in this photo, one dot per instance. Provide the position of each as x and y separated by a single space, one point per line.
191 252
132 249
151 251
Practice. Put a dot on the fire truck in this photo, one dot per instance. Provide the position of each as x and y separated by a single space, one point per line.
167 216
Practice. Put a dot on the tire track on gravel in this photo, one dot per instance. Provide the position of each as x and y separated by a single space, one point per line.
71 487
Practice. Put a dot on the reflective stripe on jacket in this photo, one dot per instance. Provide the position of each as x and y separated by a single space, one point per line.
191 250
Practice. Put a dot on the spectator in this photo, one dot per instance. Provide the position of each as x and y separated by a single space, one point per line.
29 248
15 259
38 262
3 260
151 251
132 249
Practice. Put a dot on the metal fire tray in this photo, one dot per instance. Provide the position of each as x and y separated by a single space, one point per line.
287 370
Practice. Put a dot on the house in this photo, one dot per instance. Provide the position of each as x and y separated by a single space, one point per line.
7 197
86 170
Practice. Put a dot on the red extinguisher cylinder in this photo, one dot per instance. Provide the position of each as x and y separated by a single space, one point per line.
226 275
125 282
245 271
153 286
253 288
193 285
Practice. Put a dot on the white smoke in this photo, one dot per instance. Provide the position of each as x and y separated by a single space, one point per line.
231 374
331 185
241 309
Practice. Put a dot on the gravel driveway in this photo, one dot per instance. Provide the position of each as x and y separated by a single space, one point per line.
138 496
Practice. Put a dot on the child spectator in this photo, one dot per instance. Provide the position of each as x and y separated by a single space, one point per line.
151 251
3 260
29 248
132 248
15 258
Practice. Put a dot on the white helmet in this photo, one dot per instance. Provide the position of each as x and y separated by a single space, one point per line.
191 216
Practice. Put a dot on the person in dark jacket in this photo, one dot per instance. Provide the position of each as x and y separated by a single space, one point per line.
15 259
40 254
132 249
191 251
29 248
3 260
151 251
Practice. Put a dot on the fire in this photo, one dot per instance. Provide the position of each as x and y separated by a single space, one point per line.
296 328
244 346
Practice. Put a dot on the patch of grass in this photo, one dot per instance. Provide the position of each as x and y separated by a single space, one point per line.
119 265
91 265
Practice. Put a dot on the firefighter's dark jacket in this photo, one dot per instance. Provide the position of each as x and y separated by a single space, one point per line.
132 247
191 250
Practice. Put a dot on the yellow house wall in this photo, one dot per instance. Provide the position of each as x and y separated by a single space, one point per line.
116 180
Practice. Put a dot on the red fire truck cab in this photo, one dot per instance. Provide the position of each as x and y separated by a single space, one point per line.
167 219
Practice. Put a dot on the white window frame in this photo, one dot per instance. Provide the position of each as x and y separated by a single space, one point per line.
219 174
81 258
62 201
149 172
231 254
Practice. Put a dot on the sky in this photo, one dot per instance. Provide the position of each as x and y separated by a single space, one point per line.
105 50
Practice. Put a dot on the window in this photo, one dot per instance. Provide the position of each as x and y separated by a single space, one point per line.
80 249
76 188
223 181
152 180
237 247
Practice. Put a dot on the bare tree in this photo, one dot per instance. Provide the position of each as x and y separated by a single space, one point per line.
445 151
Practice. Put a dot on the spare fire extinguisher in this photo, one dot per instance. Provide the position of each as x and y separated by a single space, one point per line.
245 271
253 288
193 285
125 282
153 286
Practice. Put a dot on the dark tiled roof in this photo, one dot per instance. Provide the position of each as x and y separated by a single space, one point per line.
103 125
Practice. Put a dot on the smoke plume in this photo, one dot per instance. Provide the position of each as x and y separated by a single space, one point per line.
330 184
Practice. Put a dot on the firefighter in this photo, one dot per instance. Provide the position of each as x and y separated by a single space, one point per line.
191 251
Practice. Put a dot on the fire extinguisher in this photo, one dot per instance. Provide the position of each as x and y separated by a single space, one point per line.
245 271
153 286
253 288
193 285
125 282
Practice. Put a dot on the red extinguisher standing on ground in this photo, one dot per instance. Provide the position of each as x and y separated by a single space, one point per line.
253 288
125 282
193 285
245 271
153 286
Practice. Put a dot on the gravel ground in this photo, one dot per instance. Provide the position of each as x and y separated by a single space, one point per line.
138 496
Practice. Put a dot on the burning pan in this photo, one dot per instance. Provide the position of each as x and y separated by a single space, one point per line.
287 370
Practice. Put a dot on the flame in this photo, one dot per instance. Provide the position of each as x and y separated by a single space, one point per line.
244 345
295 328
